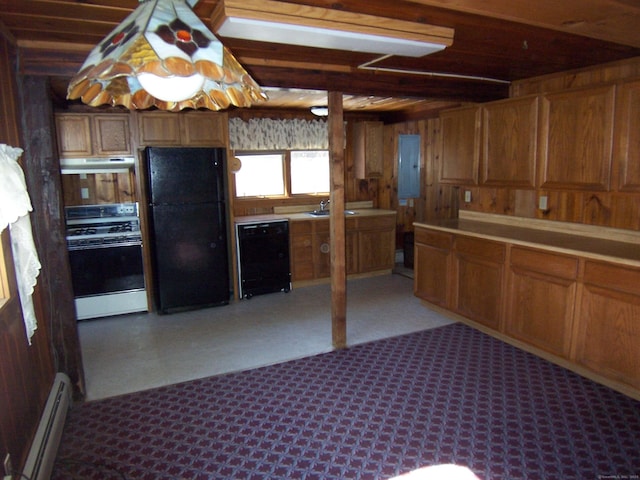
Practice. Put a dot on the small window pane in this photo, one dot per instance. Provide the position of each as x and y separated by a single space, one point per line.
260 175
310 172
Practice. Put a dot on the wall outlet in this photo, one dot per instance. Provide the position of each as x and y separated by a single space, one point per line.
543 202
8 467
84 192
467 196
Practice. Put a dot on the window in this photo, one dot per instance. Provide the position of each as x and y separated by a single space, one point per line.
273 174
261 175
310 172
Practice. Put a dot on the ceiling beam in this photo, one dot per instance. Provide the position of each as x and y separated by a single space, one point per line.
614 21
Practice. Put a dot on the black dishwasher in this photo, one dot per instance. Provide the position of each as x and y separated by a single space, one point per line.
263 257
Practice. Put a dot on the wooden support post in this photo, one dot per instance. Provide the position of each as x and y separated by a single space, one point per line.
337 223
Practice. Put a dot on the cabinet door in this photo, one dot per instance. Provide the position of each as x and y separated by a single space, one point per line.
608 322
478 274
112 135
204 129
74 135
627 140
322 250
432 254
576 136
460 146
376 243
542 291
301 254
159 129
509 141
368 149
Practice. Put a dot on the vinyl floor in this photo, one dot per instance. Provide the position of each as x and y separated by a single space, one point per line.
135 352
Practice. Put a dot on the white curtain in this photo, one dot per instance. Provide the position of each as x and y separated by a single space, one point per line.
271 134
15 206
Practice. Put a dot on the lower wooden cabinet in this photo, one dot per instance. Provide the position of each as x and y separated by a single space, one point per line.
478 271
301 250
376 239
370 247
432 271
608 330
541 298
580 311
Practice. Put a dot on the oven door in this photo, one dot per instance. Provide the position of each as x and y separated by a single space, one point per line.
100 270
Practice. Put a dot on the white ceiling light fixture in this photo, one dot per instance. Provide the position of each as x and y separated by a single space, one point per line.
293 24
320 111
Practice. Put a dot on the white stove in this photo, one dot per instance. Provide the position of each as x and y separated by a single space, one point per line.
105 253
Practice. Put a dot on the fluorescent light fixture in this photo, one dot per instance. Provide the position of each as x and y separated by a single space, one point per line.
292 24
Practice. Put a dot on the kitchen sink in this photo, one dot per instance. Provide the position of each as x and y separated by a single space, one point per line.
325 213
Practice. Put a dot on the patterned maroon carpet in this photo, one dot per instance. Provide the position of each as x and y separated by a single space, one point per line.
448 395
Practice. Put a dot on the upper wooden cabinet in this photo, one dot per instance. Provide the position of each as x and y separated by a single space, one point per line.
460 146
368 149
576 133
626 139
191 129
509 142
93 135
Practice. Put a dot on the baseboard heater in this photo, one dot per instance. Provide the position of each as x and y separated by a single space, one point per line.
45 444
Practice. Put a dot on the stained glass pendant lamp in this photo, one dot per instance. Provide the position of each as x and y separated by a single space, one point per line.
163 56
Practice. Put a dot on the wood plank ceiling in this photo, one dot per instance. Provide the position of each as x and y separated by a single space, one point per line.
495 43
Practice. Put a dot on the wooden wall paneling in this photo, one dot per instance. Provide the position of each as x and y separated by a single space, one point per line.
26 371
584 77
525 203
626 145
565 206
576 137
625 211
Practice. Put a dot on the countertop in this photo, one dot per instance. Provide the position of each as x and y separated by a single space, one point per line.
608 244
297 216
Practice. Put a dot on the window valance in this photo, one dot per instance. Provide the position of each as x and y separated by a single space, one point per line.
278 134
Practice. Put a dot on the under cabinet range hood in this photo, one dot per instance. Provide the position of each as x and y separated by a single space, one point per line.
96 165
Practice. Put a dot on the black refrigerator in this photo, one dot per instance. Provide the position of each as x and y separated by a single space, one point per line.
187 223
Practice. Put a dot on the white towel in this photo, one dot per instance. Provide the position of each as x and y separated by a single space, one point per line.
15 206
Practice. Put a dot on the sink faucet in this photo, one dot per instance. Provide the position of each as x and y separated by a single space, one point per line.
324 204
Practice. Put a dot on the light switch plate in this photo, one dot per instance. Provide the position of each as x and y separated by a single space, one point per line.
467 196
543 202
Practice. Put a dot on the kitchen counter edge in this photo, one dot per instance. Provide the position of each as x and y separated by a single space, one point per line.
614 245
298 216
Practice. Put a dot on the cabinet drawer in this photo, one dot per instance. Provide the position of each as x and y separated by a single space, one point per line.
435 239
300 228
387 221
486 249
544 262
613 277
